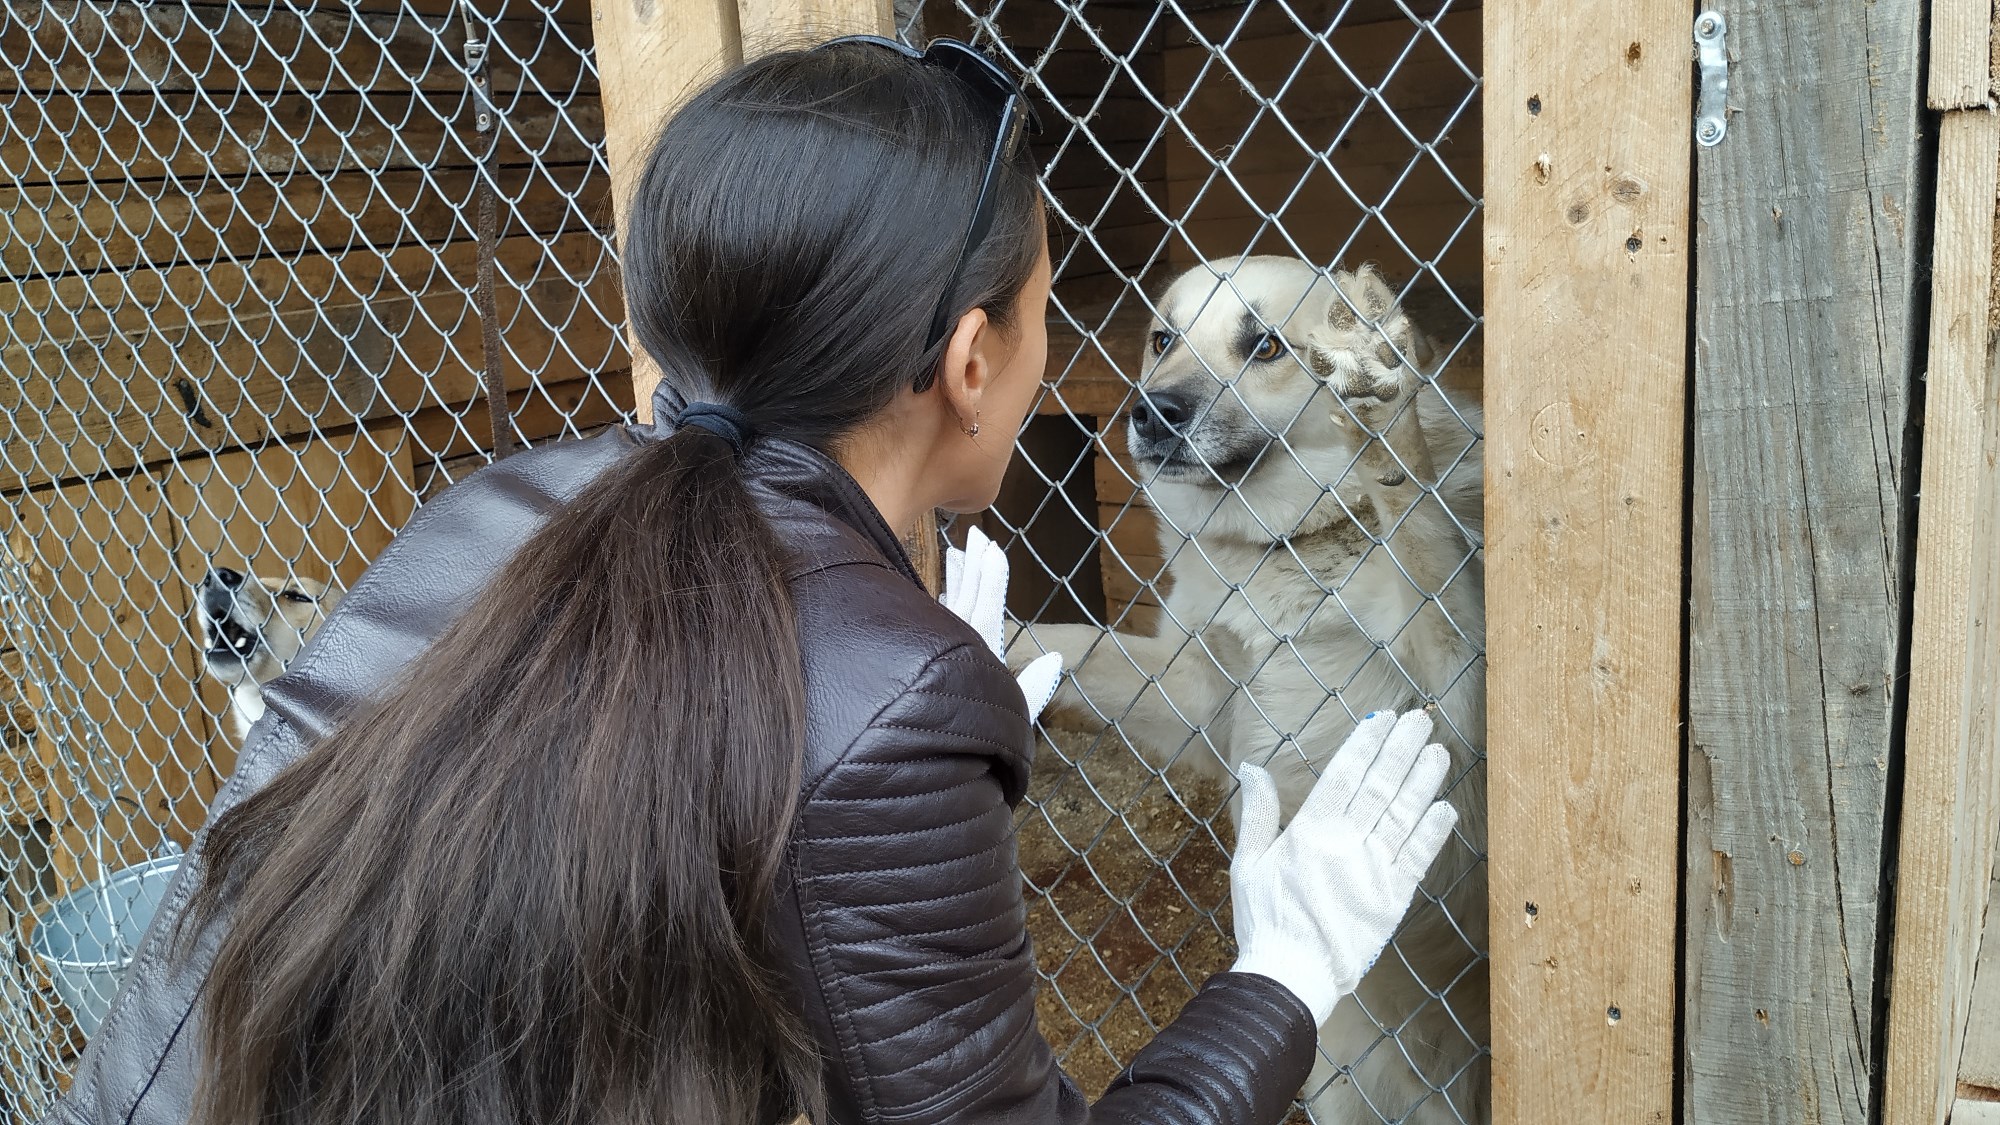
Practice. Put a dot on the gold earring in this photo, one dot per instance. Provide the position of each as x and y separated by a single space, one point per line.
972 431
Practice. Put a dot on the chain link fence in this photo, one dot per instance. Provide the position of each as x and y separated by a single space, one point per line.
277 270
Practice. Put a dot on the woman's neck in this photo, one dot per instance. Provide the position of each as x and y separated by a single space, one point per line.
889 462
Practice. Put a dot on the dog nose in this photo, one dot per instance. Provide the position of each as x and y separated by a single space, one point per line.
1161 415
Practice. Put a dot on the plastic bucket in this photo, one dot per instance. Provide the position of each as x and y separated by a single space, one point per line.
88 937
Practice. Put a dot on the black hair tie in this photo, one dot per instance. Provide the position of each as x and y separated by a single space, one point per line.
725 422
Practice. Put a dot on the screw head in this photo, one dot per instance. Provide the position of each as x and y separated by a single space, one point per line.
1707 26
1710 130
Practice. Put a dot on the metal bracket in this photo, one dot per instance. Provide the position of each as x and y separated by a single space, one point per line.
475 68
1711 47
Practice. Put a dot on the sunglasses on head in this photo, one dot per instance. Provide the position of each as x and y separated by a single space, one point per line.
1016 116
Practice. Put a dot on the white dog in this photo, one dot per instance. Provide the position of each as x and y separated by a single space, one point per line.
1320 508
250 628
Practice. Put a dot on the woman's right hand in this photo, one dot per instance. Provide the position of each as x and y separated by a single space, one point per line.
1316 903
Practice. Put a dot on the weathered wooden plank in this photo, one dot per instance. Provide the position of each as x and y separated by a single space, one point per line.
1952 736
60 137
576 12
650 56
1395 116
82 404
546 411
320 509
109 225
111 612
1583 522
1979 1061
770 24
88 45
1807 274
1962 74
68 309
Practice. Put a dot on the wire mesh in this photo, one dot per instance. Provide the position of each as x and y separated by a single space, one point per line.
249 317
1248 510
253 318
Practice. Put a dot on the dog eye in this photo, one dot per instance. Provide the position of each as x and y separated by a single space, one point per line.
297 596
1160 340
1268 346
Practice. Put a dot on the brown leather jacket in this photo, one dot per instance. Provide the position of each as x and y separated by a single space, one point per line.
903 907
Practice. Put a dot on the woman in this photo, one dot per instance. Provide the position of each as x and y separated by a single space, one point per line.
646 784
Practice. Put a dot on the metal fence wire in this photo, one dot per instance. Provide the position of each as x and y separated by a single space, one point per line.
278 270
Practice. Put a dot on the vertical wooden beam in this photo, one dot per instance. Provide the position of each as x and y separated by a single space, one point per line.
1951 780
1806 265
1962 72
1587 131
776 23
651 54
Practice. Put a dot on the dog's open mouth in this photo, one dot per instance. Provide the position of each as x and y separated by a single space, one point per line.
229 641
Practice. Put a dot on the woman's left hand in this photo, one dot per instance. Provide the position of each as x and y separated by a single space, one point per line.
975 588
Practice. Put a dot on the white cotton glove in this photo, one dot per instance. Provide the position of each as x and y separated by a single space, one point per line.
975 588
1316 903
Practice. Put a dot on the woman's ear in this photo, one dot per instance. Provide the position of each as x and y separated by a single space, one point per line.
968 366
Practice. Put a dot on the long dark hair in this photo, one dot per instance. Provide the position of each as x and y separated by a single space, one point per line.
533 883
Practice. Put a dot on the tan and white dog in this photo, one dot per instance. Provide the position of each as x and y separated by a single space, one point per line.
1320 508
250 628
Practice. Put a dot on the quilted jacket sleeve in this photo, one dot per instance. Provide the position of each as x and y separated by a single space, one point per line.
908 893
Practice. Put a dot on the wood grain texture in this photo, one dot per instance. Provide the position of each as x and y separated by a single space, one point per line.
651 54
1952 736
1806 295
118 137
72 46
107 225
1586 130
118 379
1962 75
118 722
771 24
320 509
1371 98
1979 1061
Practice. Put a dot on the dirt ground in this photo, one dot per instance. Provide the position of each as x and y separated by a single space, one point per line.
1127 874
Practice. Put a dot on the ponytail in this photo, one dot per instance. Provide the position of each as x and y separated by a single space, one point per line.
534 883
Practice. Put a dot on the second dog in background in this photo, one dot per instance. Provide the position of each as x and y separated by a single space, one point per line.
250 628
1320 508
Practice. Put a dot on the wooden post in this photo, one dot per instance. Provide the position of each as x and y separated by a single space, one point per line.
1806 268
651 54
1587 132
1951 780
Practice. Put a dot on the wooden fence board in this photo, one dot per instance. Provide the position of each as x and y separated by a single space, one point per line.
320 509
139 395
62 138
1979 1063
75 46
98 225
1587 120
1424 199
649 57
121 722
1952 735
1804 320
1962 74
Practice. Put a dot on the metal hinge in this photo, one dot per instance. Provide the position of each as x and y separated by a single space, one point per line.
1711 52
